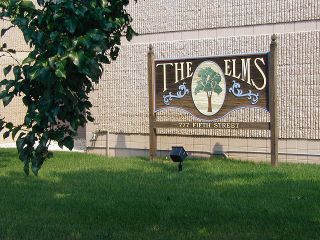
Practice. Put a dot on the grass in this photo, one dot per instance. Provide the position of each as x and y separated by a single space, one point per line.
79 196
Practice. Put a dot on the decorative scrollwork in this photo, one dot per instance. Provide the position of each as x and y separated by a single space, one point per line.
180 94
237 91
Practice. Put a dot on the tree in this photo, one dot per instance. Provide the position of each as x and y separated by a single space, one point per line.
209 83
70 41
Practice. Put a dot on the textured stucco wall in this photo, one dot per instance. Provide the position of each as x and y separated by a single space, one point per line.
252 149
15 110
154 16
182 28
122 96
226 27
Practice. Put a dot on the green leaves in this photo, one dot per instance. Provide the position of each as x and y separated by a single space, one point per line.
91 119
2 123
61 73
17 72
20 143
11 51
15 131
4 30
40 2
77 57
114 53
7 69
27 4
7 99
209 81
68 142
97 35
70 41
28 60
71 25
11 129
130 33
217 89
9 125
54 36
6 134
81 11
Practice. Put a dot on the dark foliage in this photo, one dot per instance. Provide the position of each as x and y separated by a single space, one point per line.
70 40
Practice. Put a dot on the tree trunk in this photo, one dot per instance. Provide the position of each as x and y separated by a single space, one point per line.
209 104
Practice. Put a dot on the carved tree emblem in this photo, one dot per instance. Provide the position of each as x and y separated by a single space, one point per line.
210 83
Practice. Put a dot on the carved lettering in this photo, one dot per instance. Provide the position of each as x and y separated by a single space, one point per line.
189 69
246 70
164 74
177 70
262 74
227 70
234 69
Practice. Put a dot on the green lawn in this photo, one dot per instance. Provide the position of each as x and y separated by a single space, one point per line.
79 196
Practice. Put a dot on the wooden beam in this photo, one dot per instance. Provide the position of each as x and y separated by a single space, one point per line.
214 125
152 129
273 100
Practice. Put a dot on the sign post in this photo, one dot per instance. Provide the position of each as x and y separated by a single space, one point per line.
273 100
152 117
210 88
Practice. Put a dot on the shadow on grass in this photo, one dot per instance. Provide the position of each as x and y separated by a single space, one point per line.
157 202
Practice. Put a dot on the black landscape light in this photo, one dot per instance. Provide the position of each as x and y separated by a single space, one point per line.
178 154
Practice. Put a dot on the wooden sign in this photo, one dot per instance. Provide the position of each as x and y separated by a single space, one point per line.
211 87
213 125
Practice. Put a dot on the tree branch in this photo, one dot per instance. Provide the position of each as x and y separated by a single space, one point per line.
7 20
10 54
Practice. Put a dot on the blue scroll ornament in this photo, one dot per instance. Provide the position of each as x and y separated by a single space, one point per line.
235 89
180 94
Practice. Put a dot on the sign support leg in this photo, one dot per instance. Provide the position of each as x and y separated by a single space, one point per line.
273 100
152 129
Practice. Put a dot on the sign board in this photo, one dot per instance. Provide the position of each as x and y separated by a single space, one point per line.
211 87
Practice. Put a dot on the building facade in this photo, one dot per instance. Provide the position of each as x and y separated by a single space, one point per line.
193 28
